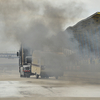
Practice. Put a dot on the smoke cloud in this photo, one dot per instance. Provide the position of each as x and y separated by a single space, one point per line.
41 27
37 26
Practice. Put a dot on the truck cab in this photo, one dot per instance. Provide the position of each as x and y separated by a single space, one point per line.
25 71
25 57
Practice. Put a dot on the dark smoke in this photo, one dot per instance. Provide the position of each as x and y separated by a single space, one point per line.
37 26
40 27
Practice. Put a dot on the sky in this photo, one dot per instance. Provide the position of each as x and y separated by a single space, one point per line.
91 6
9 44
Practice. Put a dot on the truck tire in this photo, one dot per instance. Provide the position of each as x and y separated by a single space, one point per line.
20 75
37 76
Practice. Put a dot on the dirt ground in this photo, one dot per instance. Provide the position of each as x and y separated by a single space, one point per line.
12 87
50 98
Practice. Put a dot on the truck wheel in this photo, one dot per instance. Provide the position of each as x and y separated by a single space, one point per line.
37 76
20 75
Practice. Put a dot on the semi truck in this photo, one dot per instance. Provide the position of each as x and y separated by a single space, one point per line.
25 60
40 63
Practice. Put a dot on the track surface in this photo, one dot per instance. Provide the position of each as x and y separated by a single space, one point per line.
12 86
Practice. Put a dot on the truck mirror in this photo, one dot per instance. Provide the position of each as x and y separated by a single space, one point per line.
17 54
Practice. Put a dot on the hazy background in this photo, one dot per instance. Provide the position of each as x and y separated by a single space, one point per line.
40 24
17 13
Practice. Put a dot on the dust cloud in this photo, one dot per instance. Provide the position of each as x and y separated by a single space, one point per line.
40 26
37 25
